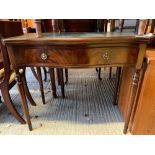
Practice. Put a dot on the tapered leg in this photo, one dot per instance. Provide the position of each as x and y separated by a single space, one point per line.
23 98
9 104
52 76
27 89
116 93
41 84
110 73
66 75
132 99
62 82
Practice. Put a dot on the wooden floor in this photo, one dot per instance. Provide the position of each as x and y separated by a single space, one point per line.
87 108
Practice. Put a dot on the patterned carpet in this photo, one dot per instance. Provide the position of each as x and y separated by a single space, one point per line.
86 110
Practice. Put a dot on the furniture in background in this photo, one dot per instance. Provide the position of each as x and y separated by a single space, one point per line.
7 81
138 124
144 117
121 25
10 29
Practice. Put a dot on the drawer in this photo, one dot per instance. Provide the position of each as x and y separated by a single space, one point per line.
77 57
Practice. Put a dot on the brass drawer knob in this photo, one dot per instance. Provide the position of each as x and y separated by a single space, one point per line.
105 56
43 56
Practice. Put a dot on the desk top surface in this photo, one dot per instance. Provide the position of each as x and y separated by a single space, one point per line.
79 37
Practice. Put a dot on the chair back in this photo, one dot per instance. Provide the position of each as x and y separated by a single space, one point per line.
8 29
146 26
74 25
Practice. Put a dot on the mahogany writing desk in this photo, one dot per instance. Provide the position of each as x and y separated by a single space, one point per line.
78 50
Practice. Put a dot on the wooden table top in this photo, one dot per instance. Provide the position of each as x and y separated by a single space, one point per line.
65 37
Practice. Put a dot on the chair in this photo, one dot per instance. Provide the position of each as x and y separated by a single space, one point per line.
7 81
121 25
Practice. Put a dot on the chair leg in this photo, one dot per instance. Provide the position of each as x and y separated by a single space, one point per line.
45 74
61 82
66 75
41 84
34 73
99 74
9 104
118 74
52 77
27 89
110 73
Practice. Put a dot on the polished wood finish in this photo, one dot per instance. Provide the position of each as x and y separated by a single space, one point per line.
125 89
88 56
144 120
23 97
94 50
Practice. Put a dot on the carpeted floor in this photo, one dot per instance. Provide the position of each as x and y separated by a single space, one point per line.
86 110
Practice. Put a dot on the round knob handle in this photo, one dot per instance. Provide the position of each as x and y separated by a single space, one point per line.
43 56
105 56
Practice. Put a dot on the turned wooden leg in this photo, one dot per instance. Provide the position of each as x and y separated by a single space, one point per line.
9 104
28 95
134 88
23 98
66 75
62 82
52 77
116 93
58 76
110 73
96 69
99 74
41 84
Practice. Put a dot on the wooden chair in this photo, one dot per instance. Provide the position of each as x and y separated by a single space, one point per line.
121 25
7 81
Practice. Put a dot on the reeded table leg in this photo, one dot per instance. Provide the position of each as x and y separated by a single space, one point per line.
52 76
132 99
23 98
